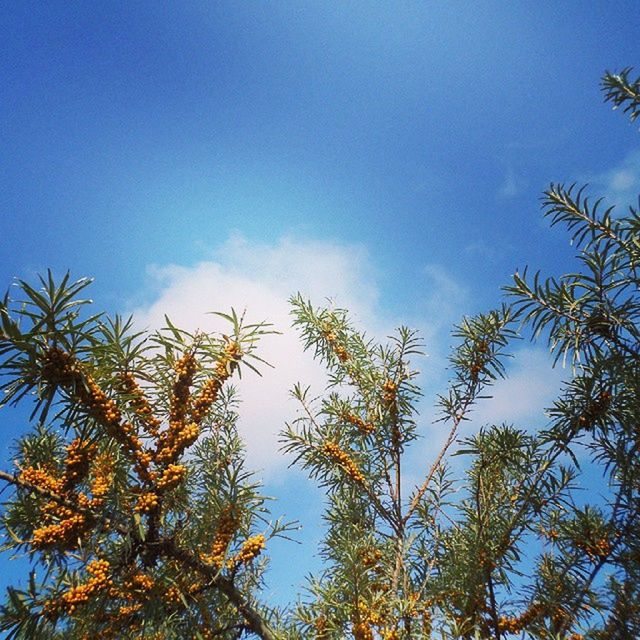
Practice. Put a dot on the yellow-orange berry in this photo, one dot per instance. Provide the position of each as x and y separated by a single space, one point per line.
343 459
171 476
364 427
226 529
251 548
146 502
41 478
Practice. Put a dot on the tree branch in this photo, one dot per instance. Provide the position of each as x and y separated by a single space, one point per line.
255 621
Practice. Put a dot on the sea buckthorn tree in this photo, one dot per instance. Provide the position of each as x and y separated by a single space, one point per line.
130 494
387 550
540 537
417 563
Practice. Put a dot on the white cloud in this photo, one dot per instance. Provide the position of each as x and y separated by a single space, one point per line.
260 278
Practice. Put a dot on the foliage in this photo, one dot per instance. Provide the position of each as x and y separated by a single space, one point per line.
521 553
131 492
131 498
623 92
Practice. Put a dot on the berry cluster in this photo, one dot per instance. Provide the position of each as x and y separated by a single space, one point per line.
229 360
389 391
102 477
103 407
60 367
515 624
344 460
321 628
226 529
596 550
559 617
205 633
366 620
370 557
173 596
171 476
365 428
594 410
205 399
41 478
341 353
63 368
126 610
60 524
175 440
108 413
79 454
427 623
362 630
65 532
138 583
226 365
186 586
479 358
179 435
79 595
147 502
185 369
251 548
140 403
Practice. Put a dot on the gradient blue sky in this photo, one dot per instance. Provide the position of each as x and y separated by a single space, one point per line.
413 137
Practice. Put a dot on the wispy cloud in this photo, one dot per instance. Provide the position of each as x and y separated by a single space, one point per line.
521 398
445 298
512 185
620 185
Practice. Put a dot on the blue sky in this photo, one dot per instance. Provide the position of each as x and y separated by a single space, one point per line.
194 155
